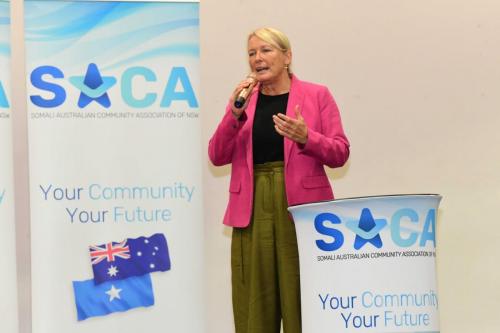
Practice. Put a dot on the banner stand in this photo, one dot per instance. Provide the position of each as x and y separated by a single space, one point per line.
114 166
8 276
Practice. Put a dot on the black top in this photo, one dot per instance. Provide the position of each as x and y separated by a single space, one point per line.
267 143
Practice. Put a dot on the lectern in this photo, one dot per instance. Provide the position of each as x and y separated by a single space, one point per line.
368 264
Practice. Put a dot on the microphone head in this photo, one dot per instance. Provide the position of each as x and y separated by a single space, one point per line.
242 96
239 102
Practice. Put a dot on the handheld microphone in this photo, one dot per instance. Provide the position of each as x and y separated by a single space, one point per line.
243 95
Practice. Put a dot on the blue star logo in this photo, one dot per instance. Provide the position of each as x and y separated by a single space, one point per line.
367 229
93 87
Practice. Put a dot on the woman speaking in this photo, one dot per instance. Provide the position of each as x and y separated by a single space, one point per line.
278 132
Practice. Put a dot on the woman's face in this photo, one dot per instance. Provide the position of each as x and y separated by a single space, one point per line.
266 61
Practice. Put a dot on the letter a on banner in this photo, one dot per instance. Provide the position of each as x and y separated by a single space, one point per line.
115 166
8 298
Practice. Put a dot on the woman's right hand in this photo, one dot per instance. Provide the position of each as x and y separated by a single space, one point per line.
249 82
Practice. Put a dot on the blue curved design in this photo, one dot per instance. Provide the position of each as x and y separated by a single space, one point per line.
4 49
69 26
121 43
77 19
61 26
175 49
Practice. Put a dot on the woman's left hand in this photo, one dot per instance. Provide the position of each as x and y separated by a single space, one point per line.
294 129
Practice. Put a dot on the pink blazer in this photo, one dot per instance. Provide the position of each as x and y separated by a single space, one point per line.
305 177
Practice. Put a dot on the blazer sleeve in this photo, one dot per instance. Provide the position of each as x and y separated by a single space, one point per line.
221 145
328 143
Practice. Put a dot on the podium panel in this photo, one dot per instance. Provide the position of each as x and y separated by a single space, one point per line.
368 264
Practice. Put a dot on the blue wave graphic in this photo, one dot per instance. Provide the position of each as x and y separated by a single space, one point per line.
76 20
4 48
176 49
166 22
122 42
145 34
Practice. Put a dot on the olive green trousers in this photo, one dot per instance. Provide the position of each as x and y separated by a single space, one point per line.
265 260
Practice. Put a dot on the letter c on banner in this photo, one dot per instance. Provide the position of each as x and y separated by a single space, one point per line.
126 87
396 227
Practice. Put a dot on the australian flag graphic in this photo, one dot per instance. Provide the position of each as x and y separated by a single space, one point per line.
131 257
121 276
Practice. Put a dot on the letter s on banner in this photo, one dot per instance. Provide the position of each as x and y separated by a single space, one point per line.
338 237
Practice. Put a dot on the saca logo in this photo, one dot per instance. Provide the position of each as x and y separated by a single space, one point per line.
367 229
94 87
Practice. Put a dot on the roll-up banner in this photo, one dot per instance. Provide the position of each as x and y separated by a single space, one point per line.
115 166
368 264
8 284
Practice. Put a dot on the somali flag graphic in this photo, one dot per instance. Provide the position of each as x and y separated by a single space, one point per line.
132 257
117 296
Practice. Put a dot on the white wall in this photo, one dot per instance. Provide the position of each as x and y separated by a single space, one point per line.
418 86
417 83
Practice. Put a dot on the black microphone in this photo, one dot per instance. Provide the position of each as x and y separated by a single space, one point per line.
243 95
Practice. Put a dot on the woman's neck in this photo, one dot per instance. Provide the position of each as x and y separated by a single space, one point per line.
276 88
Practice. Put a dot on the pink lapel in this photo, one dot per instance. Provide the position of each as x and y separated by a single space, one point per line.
295 97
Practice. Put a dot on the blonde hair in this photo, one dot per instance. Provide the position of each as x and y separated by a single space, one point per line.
274 37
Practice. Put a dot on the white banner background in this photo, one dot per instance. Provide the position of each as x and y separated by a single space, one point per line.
94 148
8 284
